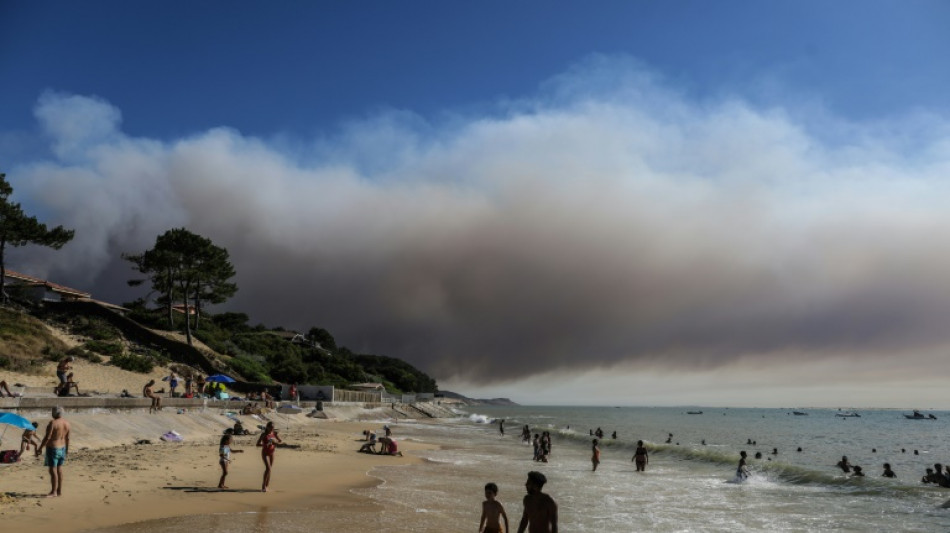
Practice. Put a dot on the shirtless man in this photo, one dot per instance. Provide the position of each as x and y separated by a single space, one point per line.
56 442
540 510
4 387
62 368
156 399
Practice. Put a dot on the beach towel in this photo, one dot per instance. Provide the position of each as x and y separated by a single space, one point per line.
9 456
172 436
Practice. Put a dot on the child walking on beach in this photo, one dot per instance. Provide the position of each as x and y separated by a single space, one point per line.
268 442
225 451
492 509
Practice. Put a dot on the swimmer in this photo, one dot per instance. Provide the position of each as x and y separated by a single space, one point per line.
742 471
887 471
844 465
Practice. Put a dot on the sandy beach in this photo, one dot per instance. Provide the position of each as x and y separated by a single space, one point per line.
109 480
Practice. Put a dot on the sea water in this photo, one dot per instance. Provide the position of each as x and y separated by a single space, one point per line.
688 485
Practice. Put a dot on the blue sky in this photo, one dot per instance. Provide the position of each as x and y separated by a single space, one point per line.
732 203
299 68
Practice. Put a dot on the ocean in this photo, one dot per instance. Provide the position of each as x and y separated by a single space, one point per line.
688 485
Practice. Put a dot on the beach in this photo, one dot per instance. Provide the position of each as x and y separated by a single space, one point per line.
110 481
323 484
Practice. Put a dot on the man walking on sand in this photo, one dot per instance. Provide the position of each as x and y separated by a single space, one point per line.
56 442
540 510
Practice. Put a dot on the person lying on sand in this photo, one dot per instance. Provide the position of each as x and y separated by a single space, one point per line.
4 387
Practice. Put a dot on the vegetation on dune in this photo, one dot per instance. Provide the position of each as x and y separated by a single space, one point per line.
23 341
262 354
185 272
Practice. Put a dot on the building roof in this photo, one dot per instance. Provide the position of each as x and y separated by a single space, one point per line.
37 282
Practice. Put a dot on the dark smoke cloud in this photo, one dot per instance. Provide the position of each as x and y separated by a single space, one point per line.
604 222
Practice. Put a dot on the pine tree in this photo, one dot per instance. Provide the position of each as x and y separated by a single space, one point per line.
18 229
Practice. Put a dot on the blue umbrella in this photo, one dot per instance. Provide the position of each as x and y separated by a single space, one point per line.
15 421
220 378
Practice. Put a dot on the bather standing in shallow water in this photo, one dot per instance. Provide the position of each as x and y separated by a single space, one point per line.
640 457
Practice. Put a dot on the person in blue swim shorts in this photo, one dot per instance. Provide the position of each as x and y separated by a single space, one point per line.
56 442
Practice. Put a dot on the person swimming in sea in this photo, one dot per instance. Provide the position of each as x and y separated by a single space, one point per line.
844 465
887 471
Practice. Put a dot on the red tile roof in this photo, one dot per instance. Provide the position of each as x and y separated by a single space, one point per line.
55 287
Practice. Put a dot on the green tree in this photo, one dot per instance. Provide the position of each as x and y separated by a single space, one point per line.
159 266
212 270
18 229
323 338
186 266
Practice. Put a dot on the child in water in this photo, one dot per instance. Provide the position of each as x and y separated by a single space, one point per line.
595 455
492 509
742 471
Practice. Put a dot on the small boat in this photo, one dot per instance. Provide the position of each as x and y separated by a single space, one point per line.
694 412
920 416
799 413
848 414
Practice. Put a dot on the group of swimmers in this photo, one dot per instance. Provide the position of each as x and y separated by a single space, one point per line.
938 475
542 446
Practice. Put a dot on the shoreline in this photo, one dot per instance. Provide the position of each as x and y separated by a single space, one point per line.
109 481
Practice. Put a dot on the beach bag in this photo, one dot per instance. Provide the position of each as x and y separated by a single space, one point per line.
172 436
9 456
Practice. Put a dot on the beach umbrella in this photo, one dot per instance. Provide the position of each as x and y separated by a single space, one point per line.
17 421
220 378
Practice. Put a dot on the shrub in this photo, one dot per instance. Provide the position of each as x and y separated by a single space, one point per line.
133 363
250 370
78 351
52 354
96 329
105 348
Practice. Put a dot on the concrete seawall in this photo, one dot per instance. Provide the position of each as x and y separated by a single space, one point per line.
40 407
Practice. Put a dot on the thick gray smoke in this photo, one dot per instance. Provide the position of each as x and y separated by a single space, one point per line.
597 224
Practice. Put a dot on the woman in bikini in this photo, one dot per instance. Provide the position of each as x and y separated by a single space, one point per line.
268 442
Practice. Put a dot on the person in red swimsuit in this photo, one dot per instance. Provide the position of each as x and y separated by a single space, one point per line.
268 442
